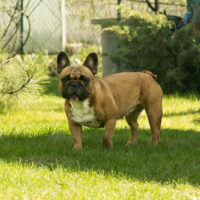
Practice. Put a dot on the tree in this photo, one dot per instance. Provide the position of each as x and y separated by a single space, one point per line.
155 7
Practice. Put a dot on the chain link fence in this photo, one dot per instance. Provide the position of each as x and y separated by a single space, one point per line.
37 25
47 31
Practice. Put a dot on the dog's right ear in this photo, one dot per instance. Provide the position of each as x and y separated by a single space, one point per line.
62 61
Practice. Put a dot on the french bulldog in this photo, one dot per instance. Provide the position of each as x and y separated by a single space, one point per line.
99 102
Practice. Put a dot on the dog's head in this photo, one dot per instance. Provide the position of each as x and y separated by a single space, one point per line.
75 81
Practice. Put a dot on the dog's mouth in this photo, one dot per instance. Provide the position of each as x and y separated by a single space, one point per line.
75 98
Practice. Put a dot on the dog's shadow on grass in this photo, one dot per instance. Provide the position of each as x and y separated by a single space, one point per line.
176 158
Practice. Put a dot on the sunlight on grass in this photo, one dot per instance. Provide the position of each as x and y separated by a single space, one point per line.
37 161
24 182
178 113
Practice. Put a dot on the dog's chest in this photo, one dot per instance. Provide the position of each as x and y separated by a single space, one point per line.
83 114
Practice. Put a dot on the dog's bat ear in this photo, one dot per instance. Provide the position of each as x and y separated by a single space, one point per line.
91 62
62 61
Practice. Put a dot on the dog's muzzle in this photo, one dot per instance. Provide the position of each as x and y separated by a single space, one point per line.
75 90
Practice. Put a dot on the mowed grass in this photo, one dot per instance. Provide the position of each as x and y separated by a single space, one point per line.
37 160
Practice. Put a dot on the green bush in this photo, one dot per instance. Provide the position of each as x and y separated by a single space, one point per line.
19 76
145 42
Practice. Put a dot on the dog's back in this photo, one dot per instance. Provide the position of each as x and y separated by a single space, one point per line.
132 88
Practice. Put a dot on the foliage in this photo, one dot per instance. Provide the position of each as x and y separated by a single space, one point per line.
18 77
79 27
146 42
18 74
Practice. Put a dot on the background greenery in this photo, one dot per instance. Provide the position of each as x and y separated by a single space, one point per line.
80 13
146 42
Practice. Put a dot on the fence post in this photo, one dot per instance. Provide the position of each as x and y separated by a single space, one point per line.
22 27
63 19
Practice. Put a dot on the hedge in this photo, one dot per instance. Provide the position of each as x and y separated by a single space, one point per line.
146 42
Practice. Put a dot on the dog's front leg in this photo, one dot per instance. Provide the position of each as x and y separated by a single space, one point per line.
108 133
76 131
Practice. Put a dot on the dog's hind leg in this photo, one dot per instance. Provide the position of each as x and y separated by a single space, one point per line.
154 113
131 119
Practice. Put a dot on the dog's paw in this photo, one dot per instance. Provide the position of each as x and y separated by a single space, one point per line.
77 147
130 144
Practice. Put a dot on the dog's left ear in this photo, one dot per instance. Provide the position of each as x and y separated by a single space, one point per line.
91 62
62 61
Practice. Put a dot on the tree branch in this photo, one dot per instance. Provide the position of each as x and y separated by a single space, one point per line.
11 19
14 18
14 12
11 92
155 8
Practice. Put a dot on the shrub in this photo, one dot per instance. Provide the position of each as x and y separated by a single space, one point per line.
18 77
145 42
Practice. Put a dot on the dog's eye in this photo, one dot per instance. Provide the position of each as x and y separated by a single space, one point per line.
65 79
85 79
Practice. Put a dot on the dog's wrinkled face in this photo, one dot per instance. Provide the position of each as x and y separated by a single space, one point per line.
74 84
75 81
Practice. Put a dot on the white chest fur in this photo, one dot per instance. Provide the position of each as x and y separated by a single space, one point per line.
83 114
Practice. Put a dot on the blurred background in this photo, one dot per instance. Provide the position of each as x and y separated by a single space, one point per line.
128 35
52 25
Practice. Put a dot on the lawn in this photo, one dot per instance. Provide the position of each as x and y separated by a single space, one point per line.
37 161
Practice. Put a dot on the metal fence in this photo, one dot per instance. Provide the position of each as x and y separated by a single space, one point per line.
43 21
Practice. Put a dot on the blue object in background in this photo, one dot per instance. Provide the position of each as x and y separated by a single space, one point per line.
186 17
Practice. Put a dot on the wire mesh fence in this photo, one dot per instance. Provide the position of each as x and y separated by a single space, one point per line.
37 25
46 26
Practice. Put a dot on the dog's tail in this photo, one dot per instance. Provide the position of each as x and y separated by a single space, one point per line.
154 76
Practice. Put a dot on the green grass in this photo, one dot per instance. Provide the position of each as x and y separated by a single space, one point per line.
37 161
